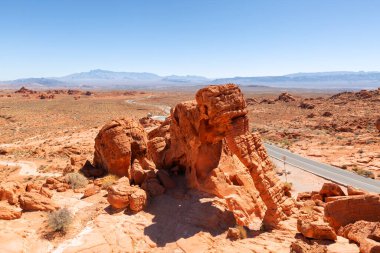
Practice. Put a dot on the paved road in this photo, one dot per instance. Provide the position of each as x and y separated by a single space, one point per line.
329 172
326 171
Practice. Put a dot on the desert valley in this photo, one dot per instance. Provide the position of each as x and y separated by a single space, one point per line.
186 170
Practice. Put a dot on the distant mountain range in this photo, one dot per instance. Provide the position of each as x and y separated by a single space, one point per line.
112 80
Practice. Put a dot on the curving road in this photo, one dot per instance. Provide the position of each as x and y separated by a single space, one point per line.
326 171
323 170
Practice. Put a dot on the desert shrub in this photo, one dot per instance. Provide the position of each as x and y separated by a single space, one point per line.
109 180
60 220
76 180
288 186
242 231
365 173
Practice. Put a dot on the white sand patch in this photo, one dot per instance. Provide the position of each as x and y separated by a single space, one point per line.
28 168
73 203
76 241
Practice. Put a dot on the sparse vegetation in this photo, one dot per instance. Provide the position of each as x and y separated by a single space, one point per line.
109 180
60 220
242 231
76 180
288 186
364 173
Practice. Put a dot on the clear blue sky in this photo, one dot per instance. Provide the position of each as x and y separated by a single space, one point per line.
214 38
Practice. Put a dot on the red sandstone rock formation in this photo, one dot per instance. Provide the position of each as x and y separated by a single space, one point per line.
331 190
350 209
210 139
377 124
8 212
355 191
122 195
10 191
366 234
118 144
313 226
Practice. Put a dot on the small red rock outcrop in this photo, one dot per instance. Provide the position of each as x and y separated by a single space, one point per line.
32 201
285 97
305 105
8 212
331 190
366 234
313 226
122 195
10 191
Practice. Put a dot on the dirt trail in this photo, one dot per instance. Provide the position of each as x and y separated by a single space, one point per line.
164 108
27 168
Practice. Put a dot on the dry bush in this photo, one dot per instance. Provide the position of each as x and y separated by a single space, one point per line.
364 173
242 231
288 186
109 180
60 220
76 180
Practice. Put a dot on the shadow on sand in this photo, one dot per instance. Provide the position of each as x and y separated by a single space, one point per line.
182 214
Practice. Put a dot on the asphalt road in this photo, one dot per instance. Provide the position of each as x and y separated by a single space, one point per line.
326 171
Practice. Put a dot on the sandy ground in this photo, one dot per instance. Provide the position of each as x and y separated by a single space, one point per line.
40 138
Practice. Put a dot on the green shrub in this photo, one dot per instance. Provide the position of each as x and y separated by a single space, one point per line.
76 180
60 220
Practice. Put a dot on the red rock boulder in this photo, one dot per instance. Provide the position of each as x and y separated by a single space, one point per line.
122 195
8 212
331 190
10 191
117 144
313 226
350 209
32 201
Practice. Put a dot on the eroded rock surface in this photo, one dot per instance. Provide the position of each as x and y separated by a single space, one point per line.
366 234
210 139
350 209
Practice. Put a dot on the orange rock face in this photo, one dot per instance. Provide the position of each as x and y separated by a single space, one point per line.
366 234
350 209
210 139
118 144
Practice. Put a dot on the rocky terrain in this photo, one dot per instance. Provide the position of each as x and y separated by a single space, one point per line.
89 172
338 129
